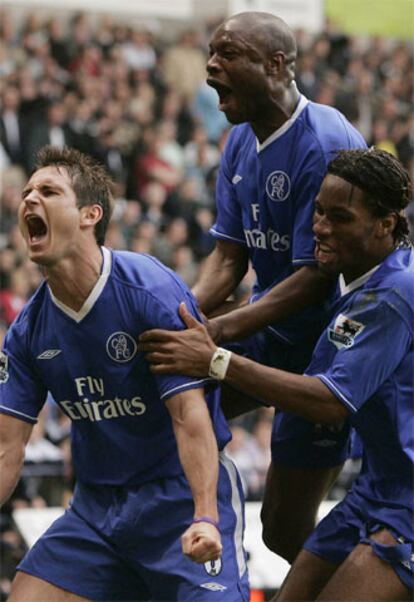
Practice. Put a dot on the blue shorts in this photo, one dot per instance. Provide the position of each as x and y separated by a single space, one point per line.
296 442
123 544
350 523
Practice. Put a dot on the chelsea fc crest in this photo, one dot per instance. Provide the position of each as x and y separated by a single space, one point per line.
121 347
213 567
278 186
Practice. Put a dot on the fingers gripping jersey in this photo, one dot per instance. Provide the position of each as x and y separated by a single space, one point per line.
122 432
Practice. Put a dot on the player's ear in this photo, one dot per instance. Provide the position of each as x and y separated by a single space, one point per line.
90 214
386 225
275 63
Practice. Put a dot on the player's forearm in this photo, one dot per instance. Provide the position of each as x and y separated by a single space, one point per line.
220 276
11 462
305 396
14 434
300 290
197 448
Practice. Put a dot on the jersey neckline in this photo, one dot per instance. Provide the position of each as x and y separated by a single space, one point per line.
94 295
347 288
303 102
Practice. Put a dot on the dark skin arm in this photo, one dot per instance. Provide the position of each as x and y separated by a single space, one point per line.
222 272
306 286
191 353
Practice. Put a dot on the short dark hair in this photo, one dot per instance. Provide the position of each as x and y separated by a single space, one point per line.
383 180
90 181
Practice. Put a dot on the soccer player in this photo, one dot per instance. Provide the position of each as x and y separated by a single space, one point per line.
271 170
157 510
361 371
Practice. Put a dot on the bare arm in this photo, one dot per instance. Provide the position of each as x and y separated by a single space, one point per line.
304 287
14 434
305 396
197 449
222 272
191 354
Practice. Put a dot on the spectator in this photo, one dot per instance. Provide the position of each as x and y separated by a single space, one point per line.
52 130
206 113
184 65
138 51
12 125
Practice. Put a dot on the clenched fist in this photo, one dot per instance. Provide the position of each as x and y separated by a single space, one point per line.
201 542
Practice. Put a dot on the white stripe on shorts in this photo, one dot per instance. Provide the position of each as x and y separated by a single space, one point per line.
237 505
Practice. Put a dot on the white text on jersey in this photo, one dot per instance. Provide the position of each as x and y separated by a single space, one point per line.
99 409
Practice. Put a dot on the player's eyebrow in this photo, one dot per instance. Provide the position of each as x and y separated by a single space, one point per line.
45 184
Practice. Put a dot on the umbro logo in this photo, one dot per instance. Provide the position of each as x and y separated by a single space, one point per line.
236 179
214 587
49 354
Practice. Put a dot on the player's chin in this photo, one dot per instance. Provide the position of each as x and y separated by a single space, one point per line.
329 267
234 115
40 258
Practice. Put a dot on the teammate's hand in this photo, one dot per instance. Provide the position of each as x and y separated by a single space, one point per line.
179 351
201 542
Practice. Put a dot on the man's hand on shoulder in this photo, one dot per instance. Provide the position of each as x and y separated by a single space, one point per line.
179 351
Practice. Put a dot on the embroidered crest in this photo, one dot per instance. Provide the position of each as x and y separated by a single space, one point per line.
121 347
278 186
213 567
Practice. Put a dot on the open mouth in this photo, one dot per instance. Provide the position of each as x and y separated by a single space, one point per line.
323 252
36 228
224 91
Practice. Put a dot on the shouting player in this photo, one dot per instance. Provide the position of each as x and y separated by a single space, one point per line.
271 170
157 512
361 371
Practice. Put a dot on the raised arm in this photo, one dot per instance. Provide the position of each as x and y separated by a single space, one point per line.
14 434
197 449
222 272
304 287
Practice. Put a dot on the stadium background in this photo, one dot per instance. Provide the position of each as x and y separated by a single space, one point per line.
126 84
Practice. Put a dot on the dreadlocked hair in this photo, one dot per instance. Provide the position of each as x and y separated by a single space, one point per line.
383 180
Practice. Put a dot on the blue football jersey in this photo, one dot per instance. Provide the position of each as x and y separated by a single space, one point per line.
265 197
121 430
366 358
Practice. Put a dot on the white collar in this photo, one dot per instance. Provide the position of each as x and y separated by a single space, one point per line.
347 288
94 294
303 101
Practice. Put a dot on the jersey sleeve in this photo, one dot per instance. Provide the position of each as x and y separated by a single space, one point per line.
305 190
164 314
228 225
22 393
365 360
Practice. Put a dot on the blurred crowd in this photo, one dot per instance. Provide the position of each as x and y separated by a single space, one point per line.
137 101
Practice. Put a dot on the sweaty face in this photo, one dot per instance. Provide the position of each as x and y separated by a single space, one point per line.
236 69
345 230
49 216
